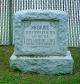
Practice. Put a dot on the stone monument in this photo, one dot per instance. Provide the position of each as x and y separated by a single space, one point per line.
41 40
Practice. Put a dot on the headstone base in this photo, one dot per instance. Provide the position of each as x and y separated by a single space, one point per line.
43 65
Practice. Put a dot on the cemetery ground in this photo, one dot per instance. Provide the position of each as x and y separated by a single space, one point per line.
9 76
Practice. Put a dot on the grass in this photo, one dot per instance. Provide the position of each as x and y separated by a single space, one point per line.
8 76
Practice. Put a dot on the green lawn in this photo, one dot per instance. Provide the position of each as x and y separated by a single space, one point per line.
8 76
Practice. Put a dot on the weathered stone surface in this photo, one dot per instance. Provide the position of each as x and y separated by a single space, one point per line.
40 33
41 40
43 65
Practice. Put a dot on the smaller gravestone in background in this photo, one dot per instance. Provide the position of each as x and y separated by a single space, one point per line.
40 39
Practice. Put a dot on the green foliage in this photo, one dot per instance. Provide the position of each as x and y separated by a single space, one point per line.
9 76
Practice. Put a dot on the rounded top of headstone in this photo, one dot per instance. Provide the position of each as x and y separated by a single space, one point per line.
41 14
41 11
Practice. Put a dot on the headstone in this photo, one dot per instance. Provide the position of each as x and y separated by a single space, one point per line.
41 41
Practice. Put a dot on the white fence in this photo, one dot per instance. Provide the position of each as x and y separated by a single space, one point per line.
9 7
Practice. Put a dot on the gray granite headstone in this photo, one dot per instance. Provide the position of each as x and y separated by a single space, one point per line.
40 33
41 41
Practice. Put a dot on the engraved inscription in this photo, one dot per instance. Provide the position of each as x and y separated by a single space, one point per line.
40 35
